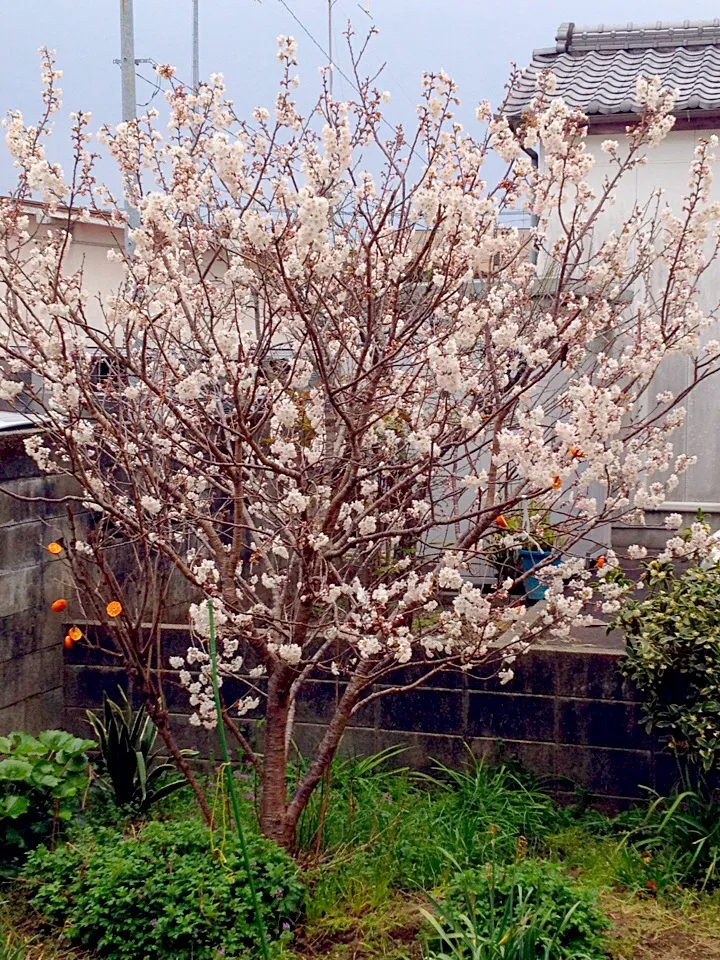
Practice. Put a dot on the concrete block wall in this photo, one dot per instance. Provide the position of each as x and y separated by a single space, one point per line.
568 716
31 689
653 535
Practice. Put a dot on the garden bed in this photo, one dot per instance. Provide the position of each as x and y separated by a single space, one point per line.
380 851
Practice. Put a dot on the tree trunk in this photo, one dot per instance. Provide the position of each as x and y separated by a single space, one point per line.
278 817
327 749
273 807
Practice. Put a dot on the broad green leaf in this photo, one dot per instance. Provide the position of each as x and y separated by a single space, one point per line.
55 739
14 807
68 788
15 770
25 745
44 780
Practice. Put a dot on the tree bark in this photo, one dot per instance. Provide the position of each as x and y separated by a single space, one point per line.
327 749
273 807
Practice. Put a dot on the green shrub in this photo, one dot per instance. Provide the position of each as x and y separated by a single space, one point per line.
173 891
40 781
524 911
673 658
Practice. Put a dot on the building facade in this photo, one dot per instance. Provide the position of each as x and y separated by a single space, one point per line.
596 69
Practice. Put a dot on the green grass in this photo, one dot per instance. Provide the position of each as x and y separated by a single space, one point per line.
388 830
380 844
22 937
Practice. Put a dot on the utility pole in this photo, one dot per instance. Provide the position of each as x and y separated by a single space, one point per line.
196 45
129 97
330 9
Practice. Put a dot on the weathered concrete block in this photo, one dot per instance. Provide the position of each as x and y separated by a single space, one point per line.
14 462
425 709
358 741
41 712
508 716
85 687
536 757
21 590
613 773
21 545
13 509
601 723
594 676
535 672
21 634
29 676
318 700
403 675
423 751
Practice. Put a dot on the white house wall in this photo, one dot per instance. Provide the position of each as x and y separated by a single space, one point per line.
668 166
89 252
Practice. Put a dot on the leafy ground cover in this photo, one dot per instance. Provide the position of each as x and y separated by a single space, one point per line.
393 865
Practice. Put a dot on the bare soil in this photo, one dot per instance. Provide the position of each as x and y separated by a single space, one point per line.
646 930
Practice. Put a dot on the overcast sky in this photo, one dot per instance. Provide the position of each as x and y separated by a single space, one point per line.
474 40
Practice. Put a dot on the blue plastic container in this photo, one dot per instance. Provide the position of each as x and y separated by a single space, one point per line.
534 590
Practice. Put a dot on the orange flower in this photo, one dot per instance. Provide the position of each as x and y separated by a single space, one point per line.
75 633
68 642
114 608
54 548
557 483
600 563
501 521
57 606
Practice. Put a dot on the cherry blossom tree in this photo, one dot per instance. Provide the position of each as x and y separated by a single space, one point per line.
333 375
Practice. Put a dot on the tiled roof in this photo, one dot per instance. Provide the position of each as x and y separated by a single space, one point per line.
596 67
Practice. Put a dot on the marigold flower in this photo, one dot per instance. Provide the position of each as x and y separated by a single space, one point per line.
75 633
501 521
114 608
557 483
54 548
57 606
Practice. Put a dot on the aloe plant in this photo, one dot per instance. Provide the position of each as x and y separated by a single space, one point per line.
131 767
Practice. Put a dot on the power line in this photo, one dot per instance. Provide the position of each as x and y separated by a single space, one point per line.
320 47
341 72
154 84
